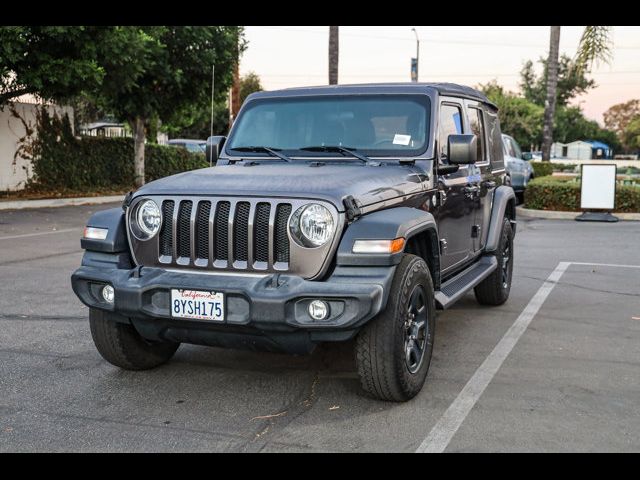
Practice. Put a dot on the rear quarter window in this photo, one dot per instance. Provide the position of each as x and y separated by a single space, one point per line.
496 155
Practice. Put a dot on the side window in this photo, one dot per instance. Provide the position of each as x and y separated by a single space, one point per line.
516 149
476 122
450 124
509 147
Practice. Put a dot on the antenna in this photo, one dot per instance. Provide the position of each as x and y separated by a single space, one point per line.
213 71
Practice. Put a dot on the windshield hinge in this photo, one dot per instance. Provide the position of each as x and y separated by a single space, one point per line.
127 200
352 209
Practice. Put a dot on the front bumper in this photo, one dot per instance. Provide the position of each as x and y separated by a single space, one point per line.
254 304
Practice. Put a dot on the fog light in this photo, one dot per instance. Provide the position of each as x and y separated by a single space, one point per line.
319 310
107 293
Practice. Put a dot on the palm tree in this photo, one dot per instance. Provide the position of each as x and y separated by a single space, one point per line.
595 45
333 55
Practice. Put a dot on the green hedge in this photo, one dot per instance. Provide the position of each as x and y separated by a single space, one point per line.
62 161
543 169
557 193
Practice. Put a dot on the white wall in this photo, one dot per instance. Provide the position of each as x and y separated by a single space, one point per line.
15 172
579 151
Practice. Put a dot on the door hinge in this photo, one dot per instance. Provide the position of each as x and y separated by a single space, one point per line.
443 245
352 209
475 231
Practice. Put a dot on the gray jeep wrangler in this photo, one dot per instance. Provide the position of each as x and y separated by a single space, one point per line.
332 213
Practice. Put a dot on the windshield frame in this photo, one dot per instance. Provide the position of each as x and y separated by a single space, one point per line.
423 97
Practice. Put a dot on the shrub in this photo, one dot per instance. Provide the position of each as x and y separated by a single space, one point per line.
64 162
558 193
543 169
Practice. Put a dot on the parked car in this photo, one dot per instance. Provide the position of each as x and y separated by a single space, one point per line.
196 146
519 170
333 212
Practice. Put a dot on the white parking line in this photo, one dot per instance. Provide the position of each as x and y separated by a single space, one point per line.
443 431
65 230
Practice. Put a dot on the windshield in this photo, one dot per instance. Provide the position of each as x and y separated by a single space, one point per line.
374 125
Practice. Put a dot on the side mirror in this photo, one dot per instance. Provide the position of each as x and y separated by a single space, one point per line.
213 148
527 156
462 149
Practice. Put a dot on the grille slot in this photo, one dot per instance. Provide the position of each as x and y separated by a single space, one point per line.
261 233
202 230
281 244
184 229
166 232
221 247
241 232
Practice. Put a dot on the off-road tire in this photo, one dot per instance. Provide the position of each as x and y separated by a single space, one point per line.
380 346
494 290
121 345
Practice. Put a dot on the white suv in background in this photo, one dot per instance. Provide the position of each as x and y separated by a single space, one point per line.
519 169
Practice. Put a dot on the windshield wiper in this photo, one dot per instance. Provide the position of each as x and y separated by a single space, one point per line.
337 148
271 151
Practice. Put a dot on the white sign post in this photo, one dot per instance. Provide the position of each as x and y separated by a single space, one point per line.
598 192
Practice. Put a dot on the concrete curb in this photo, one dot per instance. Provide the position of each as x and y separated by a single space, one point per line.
554 215
58 202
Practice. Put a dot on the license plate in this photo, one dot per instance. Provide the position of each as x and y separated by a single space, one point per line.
197 304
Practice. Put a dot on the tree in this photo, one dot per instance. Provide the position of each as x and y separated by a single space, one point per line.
571 82
52 62
334 50
249 84
174 74
552 84
594 46
631 135
519 117
618 117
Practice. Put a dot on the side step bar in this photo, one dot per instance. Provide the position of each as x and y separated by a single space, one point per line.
456 287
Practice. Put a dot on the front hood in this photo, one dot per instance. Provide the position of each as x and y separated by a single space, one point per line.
332 181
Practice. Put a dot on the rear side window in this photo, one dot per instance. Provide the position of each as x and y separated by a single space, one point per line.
450 124
508 148
476 122
494 136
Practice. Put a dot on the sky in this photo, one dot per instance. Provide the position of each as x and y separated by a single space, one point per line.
290 56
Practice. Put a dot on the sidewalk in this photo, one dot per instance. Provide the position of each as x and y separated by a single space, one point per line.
58 202
553 215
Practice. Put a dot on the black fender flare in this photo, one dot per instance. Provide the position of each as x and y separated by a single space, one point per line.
116 241
386 224
502 198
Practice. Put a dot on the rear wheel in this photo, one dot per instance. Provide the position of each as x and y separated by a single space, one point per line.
121 345
393 351
494 290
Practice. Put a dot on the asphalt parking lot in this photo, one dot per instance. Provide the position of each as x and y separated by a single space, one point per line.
565 377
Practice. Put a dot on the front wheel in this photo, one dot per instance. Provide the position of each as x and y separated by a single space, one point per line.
121 345
393 351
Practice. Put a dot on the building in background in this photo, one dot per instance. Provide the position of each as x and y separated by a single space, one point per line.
15 118
581 150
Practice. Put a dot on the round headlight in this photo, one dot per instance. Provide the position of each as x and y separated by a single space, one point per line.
148 218
312 225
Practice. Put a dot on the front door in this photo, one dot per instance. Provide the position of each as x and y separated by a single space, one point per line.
455 209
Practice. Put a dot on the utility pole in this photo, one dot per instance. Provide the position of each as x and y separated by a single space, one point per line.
415 61
334 51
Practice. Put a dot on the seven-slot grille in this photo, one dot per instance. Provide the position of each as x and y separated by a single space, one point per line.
225 234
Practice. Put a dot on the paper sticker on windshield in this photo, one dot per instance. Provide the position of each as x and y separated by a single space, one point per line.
401 139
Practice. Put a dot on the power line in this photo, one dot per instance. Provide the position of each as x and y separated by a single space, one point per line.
434 40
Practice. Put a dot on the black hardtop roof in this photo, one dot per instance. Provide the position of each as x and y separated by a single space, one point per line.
408 87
